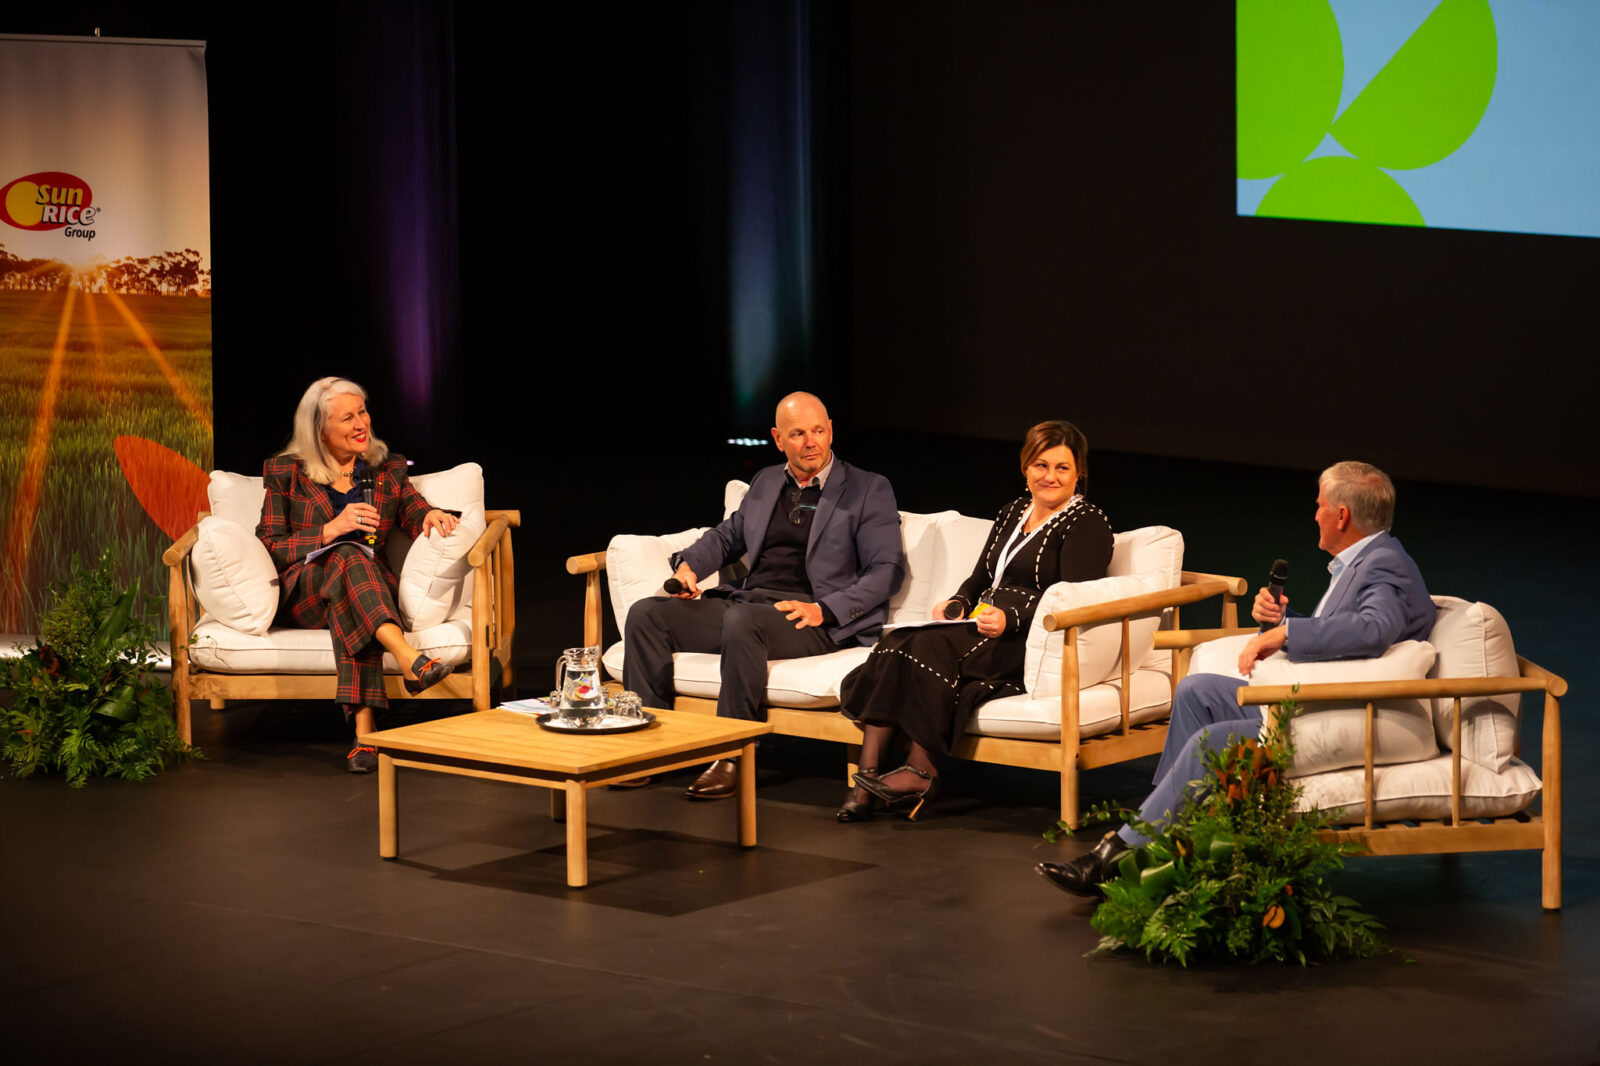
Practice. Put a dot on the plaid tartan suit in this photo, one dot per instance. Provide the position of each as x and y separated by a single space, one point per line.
343 590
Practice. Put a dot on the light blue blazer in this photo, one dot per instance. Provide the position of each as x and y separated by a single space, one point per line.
1380 600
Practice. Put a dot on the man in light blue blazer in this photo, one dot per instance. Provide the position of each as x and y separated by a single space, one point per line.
824 548
1375 598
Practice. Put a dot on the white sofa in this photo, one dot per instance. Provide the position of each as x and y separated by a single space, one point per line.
1419 751
456 598
1097 691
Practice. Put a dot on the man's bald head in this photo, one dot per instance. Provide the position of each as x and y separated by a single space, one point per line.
804 433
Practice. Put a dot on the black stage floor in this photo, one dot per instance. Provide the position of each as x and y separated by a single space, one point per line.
236 909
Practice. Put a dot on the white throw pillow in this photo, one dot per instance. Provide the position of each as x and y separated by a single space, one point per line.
436 574
455 489
1331 736
1473 640
237 498
235 579
1147 550
733 494
637 565
919 538
1099 646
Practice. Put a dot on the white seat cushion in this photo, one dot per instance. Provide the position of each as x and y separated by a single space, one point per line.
235 579
1331 736
289 650
1099 646
1099 709
1421 790
1473 640
810 682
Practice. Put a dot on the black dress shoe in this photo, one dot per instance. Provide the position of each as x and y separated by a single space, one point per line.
429 673
361 760
720 781
1082 876
858 810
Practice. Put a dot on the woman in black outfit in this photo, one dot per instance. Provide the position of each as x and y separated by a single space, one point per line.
925 681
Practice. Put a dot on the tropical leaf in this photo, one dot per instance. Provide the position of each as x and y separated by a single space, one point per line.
1289 71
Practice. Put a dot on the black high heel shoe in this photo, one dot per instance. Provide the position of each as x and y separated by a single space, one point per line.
858 811
895 799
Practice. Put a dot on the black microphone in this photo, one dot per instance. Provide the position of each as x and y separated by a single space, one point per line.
367 483
952 609
672 587
1276 579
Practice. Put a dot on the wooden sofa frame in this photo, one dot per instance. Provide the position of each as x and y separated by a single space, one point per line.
1521 831
494 622
1067 754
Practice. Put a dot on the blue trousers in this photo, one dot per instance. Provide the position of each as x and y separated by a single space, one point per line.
1203 704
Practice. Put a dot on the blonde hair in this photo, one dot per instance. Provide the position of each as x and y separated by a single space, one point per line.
307 445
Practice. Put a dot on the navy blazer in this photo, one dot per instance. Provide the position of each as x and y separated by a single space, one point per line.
854 557
1380 600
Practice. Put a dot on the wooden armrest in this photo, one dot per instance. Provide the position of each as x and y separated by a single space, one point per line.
181 547
502 521
1145 603
1372 691
1553 683
586 564
1237 586
1190 638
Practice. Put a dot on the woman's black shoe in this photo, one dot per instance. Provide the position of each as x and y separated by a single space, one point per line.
429 673
1083 875
858 811
895 799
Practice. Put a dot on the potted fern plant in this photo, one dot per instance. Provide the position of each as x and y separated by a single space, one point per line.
86 701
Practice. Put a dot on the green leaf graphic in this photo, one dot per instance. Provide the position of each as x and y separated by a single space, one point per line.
1339 189
1289 70
1428 99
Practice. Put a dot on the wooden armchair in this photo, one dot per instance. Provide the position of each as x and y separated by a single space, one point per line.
493 623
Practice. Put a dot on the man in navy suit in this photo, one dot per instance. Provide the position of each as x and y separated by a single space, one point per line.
824 547
1375 598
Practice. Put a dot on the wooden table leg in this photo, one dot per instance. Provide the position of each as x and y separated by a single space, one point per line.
577 834
388 810
558 805
747 795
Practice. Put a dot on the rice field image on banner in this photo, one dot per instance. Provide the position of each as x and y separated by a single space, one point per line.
105 310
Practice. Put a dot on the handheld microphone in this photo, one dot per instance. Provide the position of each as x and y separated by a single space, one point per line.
672 587
366 481
1276 579
952 609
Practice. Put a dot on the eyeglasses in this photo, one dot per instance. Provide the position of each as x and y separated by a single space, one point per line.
795 506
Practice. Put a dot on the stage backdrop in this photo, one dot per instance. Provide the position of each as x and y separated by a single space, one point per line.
105 310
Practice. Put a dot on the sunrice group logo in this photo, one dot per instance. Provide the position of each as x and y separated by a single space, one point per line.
49 200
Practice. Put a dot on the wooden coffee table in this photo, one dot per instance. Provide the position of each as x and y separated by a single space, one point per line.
505 746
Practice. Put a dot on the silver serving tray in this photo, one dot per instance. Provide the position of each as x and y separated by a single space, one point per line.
600 723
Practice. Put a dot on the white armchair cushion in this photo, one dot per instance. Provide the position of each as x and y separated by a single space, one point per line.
1331 736
1099 646
237 497
1148 550
961 540
1473 640
637 565
436 578
1099 709
1421 790
290 650
921 536
733 494
234 576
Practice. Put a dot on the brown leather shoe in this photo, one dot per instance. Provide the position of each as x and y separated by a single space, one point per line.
632 782
719 782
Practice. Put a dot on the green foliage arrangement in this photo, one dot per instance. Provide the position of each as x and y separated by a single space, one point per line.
86 700
1237 873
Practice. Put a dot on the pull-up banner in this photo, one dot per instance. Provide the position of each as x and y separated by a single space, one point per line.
105 309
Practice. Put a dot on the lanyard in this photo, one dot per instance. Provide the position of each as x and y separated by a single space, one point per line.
1014 545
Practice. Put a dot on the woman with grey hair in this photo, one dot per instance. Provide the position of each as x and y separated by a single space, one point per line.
327 543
